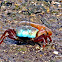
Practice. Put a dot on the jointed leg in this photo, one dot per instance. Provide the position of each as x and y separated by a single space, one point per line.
3 39
42 38
49 38
11 34
46 40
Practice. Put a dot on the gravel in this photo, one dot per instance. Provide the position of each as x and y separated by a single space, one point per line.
12 15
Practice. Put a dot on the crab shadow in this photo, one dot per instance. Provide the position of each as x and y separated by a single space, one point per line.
26 41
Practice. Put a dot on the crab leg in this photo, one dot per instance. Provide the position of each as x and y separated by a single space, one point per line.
49 38
9 37
40 38
11 34
3 39
46 40
9 31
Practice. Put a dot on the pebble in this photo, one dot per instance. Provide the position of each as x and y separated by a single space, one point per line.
55 52
37 47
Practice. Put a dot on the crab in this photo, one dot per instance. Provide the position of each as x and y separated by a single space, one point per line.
32 31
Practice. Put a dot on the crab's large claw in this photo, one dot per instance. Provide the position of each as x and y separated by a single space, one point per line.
10 33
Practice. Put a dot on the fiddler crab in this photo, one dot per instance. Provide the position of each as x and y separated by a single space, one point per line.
32 32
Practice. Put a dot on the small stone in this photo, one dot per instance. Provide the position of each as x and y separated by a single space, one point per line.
15 53
23 52
37 47
45 54
20 11
17 4
60 29
41 48
40 55
55 52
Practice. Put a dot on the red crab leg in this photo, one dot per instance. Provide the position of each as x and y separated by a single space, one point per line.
46 40
9 37
9 31
3 39
49 38
11 34
40 38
